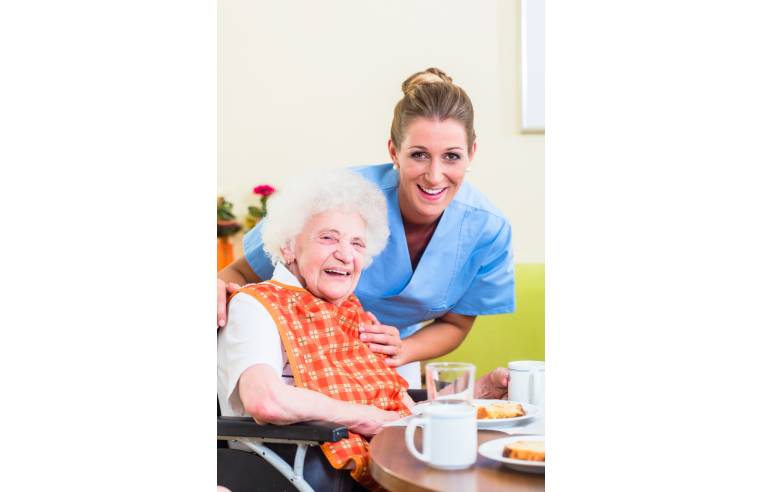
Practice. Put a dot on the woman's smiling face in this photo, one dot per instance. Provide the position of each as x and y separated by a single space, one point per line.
432 160
329 254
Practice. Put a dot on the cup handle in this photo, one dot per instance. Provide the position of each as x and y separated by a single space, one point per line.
409 439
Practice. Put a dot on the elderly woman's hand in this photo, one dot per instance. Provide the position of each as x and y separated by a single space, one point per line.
371 420
492 385
382 339
222 290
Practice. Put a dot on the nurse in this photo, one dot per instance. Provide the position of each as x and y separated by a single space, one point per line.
449 257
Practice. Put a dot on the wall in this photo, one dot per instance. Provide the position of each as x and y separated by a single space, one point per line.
313 84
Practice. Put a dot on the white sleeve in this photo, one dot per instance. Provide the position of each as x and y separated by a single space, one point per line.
250 337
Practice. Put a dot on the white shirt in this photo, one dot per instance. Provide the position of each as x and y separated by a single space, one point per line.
250 337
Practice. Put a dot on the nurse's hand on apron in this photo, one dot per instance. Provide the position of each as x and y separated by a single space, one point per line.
382 339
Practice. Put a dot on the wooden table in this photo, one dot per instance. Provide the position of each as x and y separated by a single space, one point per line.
392 465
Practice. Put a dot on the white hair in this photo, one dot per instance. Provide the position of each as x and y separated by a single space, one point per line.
289 209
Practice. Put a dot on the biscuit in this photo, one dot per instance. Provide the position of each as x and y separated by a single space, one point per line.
525 450
500 411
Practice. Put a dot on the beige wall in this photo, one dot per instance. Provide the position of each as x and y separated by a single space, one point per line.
307 84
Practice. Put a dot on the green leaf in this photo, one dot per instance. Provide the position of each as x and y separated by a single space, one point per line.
224 209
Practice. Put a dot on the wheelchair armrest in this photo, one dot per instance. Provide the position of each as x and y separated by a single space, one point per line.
302 431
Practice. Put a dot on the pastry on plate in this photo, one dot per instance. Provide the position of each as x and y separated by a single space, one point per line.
506 410
525 450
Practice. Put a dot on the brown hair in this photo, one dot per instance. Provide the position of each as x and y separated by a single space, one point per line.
431 94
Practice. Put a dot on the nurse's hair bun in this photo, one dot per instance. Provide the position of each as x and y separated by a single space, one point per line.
427 76
431 94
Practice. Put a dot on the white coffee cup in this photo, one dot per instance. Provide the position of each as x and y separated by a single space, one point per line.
526 383
450 436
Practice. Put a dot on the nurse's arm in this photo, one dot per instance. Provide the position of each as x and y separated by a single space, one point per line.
238 272
438 338
229 279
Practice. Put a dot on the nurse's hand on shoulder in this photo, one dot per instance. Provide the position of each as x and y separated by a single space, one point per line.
222 290
382 339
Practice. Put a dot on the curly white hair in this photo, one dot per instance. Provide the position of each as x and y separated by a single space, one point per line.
290 209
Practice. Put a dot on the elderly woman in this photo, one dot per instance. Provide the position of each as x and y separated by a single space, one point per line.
291 349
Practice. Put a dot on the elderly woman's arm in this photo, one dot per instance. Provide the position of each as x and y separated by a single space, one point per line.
269 400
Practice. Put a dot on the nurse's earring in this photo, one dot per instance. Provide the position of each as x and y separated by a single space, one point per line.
467 169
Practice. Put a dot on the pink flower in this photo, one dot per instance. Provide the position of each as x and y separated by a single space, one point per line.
264 190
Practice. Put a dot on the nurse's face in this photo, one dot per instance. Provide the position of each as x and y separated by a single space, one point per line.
432 161
329 253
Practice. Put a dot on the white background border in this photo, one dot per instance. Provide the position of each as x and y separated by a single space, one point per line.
652 246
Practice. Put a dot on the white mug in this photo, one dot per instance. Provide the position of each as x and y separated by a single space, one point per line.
526 383
450 436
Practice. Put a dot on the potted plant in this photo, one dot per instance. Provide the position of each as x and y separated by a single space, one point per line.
255 214
227 227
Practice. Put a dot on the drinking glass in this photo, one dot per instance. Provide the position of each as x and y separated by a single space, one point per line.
450 382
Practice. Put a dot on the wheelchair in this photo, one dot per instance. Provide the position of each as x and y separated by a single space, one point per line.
281 457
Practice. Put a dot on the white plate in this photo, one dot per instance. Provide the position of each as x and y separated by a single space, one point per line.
493 451
531 412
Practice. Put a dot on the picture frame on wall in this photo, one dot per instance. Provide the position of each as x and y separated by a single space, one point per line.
532 66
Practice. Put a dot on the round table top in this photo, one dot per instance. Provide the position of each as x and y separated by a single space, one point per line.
392 465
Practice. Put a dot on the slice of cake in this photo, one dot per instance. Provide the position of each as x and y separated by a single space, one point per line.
505 410
525 450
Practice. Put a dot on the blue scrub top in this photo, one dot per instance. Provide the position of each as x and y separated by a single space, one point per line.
467 267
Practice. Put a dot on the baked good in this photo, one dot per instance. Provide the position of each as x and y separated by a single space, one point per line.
506 410
525 450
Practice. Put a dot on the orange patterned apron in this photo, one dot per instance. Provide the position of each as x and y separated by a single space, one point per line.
326 355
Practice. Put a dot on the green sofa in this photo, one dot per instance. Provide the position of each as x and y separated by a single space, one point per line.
497 339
